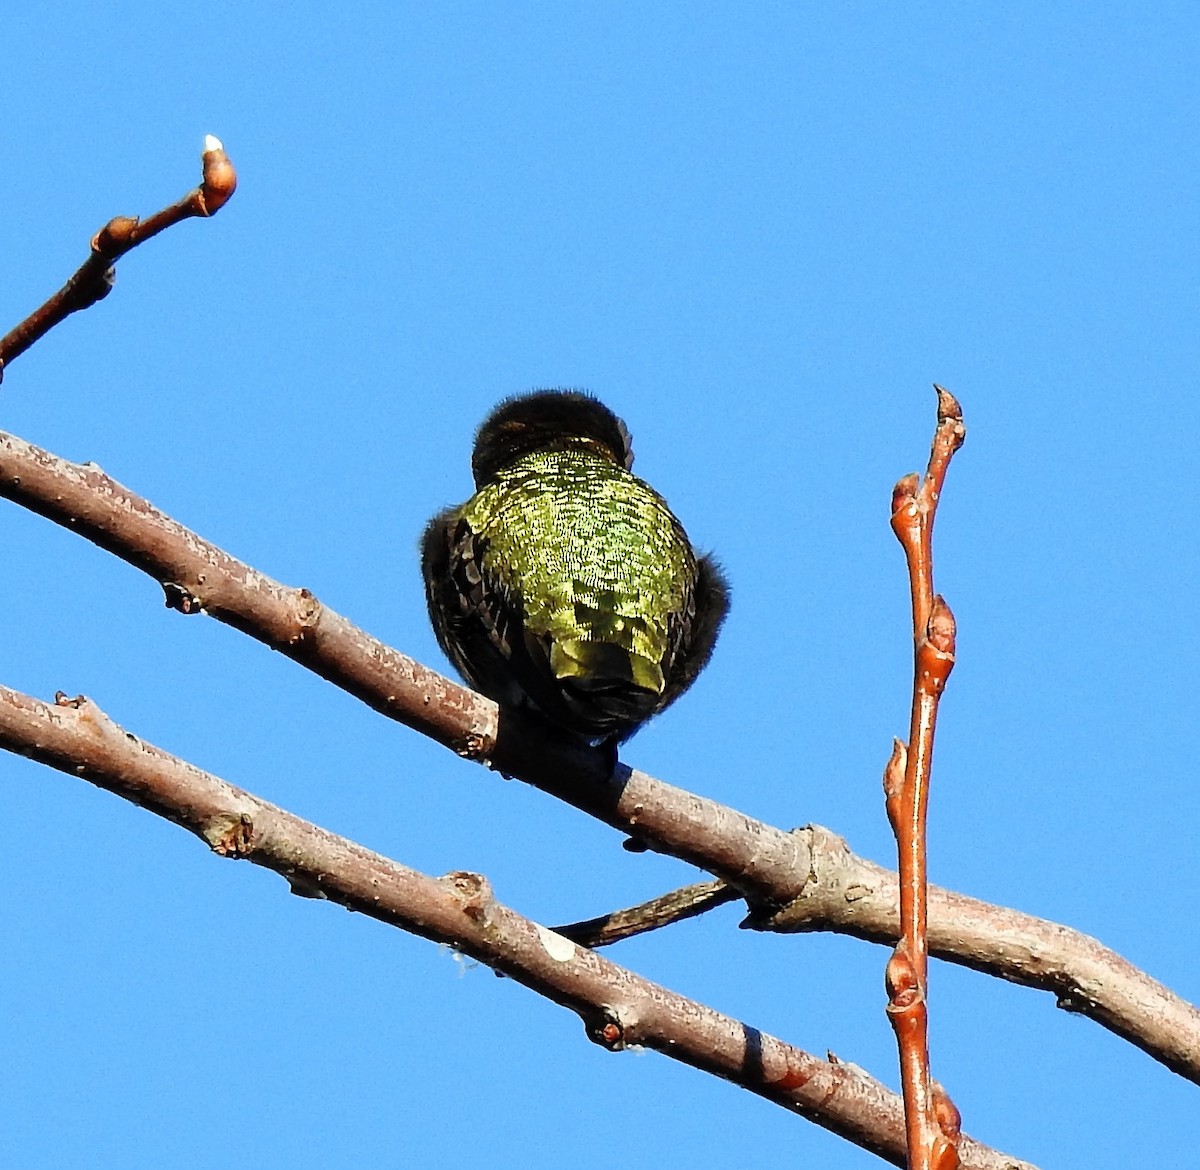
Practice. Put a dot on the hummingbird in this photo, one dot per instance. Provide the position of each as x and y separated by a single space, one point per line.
565 586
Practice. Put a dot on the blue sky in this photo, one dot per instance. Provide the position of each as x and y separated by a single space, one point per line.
759 234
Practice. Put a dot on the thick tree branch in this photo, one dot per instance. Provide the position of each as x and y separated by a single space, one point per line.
804 880
619 1008
94 278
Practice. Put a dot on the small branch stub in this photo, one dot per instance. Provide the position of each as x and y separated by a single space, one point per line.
473 892
606 1030
178 598
666 910
230 835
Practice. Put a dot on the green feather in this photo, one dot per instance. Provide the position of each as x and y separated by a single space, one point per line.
595 555
565 582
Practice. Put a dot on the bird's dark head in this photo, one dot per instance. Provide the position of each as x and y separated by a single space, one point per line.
548 419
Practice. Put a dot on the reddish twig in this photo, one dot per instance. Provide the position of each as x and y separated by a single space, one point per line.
931 1121
799 881
93 280
619 1008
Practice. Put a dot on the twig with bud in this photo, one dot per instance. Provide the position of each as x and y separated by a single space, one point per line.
931 1120
94 278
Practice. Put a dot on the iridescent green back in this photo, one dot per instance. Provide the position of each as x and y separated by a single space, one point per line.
595 555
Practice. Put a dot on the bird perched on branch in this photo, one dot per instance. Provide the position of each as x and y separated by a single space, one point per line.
565 584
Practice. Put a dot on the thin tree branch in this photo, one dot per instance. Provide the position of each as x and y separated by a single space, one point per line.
618 1007
931 1120
94 278
799 881
676 906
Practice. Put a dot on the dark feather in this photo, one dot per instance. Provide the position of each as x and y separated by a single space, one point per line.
543 420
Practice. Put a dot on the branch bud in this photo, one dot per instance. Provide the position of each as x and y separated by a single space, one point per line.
948 408
900 979
220 179
893 782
